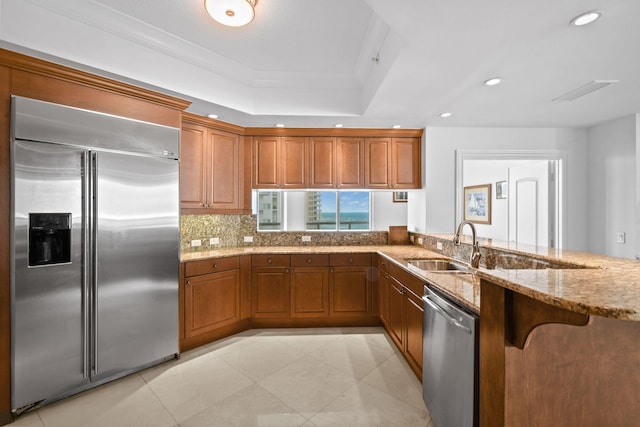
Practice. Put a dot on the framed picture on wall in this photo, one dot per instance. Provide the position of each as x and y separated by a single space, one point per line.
501 190
400 196
477 203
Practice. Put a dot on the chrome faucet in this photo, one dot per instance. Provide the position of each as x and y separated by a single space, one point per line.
475 254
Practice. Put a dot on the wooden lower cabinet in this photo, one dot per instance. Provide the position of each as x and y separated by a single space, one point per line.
213 301
402 313
270 292
350 291
309 292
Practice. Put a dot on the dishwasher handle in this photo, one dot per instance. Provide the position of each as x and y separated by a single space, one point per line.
444 314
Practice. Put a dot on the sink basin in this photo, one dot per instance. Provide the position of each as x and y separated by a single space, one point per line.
438 265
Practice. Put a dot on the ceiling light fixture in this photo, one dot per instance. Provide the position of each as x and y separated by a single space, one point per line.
586 18
279 125
493 81
396 126
232 13
212 116
338 125
445 114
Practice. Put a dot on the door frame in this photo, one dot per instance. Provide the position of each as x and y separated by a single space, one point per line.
560 156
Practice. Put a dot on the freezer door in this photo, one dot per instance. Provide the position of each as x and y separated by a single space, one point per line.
137 260
47 332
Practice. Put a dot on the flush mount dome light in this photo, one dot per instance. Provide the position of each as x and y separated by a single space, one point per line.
586 18
232 13
445 114
493 81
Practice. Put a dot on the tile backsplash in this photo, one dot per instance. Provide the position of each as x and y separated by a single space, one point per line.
231 230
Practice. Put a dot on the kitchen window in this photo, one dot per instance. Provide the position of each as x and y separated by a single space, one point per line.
269 205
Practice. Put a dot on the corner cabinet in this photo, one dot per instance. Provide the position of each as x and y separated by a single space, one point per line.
212 163
336 158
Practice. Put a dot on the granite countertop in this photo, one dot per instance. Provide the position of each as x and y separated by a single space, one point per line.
606 286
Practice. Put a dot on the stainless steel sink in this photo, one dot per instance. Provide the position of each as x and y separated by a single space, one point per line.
438 265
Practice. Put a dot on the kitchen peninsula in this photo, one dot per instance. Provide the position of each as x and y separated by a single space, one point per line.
580 369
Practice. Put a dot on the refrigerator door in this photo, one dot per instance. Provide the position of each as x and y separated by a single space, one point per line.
48 325
136 262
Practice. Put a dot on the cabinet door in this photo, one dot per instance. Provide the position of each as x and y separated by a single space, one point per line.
377 162
193 167
270 292
310 292
322 162
211 301
414 312
383 289
405 163
349 163
395 294
350 292
293 162
266 155
224 152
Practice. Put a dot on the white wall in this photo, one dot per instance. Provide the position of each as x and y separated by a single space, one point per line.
612 187
438 201
386 212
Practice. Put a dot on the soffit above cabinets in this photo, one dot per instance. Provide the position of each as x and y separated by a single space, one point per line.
363 63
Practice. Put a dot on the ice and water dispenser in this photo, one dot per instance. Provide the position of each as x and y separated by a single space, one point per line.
49 238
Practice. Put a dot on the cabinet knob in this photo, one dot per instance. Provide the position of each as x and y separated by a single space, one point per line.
350 260
188 282
269 260
215 265
309 260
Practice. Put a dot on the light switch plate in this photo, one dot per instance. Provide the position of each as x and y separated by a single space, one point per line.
439 246
196 243
214 241
620 237
419 240
248 239
306 238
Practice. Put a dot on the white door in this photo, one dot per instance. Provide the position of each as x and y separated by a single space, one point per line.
532 203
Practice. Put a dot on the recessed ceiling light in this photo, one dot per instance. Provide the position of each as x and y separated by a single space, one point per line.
493 81
279 125
212 116
586 18
445 114
338 125
396 126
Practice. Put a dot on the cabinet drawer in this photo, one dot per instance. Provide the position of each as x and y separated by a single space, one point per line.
307 260
270 260
337 260
213 265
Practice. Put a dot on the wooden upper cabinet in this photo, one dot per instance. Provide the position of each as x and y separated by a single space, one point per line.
322 162
378 163
193 167
350 163
211 170
405 163
293 162
279 162
336 160
393 163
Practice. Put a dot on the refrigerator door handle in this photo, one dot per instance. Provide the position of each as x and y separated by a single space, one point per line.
86 265
93 225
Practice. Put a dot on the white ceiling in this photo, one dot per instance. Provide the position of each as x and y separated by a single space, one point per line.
309 63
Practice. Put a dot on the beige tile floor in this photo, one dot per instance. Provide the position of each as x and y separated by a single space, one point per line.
263 377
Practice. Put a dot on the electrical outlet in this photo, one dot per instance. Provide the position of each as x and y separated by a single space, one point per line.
411 239
248 239
196 243
214 241
306 238
620 237
439 246
419 240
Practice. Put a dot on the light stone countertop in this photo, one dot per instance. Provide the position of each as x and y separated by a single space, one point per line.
608 287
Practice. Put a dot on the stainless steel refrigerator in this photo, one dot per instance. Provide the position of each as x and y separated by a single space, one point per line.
95 240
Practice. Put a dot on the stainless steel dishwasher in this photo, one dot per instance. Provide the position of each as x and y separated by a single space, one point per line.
450 361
